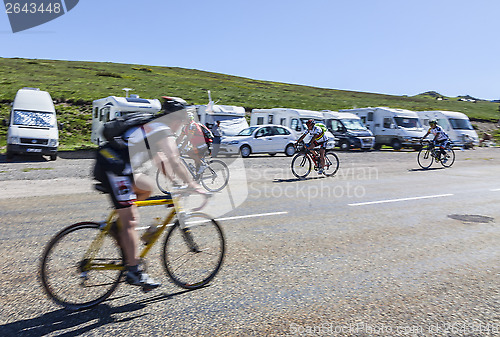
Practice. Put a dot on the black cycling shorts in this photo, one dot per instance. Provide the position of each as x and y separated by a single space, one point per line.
112 168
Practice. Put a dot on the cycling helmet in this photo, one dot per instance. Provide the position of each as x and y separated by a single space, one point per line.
310 122
432 121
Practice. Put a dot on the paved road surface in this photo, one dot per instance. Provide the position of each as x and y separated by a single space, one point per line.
382 249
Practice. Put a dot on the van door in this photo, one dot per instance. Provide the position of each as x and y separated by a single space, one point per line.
384 131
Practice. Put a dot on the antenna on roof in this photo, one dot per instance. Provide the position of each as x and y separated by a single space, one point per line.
126 91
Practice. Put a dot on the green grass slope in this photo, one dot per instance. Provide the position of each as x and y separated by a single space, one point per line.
74 85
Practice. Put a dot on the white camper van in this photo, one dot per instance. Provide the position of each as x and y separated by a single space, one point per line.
32 124
349 130
456 124
232 118
394 127
295 119
109 108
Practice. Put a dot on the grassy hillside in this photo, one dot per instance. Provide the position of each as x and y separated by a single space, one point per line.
74 85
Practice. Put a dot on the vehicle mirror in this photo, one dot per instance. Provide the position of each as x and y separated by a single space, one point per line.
393 126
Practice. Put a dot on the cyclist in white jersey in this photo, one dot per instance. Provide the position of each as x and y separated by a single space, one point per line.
441 139
319 138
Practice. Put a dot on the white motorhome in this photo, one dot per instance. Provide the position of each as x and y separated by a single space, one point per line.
232 118
349 130
109 108
32 124
394 127
295 119
456 124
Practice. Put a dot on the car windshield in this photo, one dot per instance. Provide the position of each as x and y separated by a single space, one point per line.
353 124
407 122
34 118
247 131
461 124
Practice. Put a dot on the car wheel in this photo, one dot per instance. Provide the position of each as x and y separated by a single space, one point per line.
344 145
290 150
53 157
396 144
10 155
377 146
245 151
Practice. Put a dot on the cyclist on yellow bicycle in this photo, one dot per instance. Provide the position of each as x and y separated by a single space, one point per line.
113 169
441 139
319 138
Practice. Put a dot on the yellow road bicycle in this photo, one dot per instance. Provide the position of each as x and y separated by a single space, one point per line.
83 264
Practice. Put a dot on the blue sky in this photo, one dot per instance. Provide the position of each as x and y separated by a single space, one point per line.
399 47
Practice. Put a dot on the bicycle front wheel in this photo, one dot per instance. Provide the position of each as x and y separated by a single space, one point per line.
448 158
215 176
301 165
193 252
425 158
331 164
65 272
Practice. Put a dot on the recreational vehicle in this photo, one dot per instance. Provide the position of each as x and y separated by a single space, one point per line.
109 108
456 124
393 127
232 118
295 119
32 124
349 130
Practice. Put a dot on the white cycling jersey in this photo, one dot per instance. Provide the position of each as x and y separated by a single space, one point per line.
438 133
318 134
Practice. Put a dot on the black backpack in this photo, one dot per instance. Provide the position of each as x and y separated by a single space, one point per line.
114 129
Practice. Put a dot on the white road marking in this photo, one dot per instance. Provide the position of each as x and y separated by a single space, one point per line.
402 199
235 217
250 216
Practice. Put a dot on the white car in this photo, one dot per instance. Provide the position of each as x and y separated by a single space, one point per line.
260 139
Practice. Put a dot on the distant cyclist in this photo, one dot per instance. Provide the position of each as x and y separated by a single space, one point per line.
192 135
441 139
319 138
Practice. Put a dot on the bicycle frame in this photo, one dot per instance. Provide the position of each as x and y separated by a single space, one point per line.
90 264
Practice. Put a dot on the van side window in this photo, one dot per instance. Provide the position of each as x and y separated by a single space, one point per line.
96 112
387 122
363 119
270 119
294 124
282 121
260 120
370 117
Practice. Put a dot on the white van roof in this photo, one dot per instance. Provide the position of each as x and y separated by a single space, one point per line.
33 99
452 114
132 103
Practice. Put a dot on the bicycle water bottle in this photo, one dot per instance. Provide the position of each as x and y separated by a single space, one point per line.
151 231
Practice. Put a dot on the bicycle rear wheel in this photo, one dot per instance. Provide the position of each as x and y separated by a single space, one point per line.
215 176
425 158
448 158
301 165
193 253
331 164
62 270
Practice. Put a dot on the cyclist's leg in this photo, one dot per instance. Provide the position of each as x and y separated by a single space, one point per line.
129 218
122 195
